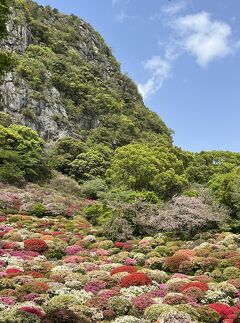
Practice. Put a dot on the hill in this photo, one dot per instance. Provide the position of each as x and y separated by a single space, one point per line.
66 82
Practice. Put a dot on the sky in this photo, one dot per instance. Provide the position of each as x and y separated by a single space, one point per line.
184 56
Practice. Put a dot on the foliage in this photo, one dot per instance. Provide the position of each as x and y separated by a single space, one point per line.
22 155
5 119
38 210
141 167
5 57
64 152
205 164
94 188
226 189
122 194
91 164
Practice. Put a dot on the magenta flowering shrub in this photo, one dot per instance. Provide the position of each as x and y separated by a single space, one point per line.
33 310
8 301
94 286
73 259
142 302
72 250
130 262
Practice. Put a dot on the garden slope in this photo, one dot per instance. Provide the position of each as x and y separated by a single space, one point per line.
63 267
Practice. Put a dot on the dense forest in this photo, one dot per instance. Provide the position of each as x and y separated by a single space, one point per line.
130 227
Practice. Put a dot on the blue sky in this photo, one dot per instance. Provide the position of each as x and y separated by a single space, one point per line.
183 54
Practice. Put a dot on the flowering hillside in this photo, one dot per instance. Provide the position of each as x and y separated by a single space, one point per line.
55 267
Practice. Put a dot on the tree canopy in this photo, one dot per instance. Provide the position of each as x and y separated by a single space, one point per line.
142 167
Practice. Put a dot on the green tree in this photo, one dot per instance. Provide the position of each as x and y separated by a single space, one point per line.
226 189
92 163
142 167
204 165
22 155
64 153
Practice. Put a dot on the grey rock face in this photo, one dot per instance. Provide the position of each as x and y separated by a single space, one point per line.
47 114
15 99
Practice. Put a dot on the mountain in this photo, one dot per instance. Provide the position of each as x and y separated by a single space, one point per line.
66 82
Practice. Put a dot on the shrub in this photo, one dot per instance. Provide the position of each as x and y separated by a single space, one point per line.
38 210
128 319
154 311
173 263
67 316
22 155
95 286
36 245
174 316
224 310
183 215
120 305
5 119
136 279
189 214
208 315
231 273
118 229
33 310
202 286
194 294
98 213
11 173
175 299
142 302
93 188
121 269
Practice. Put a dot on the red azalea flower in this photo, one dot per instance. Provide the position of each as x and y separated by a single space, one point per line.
135 279
35 274
36 245
200 285
33 310
12 272
119 244
226 311
121 269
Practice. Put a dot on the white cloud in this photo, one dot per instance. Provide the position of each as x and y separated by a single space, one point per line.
160 69
171 9
114 2
174 8
203 37
199 35
122 16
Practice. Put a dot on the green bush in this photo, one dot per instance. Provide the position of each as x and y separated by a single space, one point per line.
38 210
98 214
93 188
5 119
22 155
11 173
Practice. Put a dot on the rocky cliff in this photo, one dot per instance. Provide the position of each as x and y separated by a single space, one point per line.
66 82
